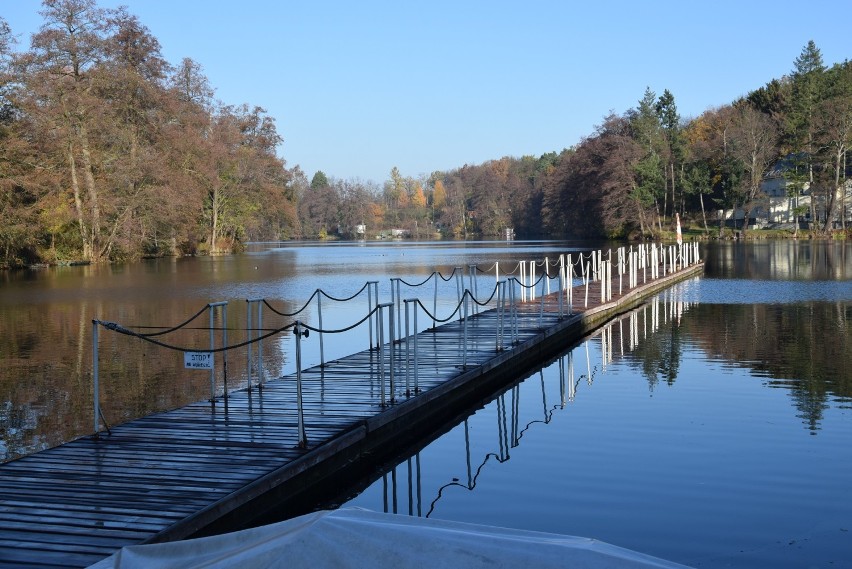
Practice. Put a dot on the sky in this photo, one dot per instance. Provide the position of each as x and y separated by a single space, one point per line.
357 88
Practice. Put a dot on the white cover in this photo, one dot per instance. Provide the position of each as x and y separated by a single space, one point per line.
361 538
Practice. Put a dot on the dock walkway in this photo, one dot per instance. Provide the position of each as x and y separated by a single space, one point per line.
180 473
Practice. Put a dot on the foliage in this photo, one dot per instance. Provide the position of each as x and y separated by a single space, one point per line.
109 152
133 157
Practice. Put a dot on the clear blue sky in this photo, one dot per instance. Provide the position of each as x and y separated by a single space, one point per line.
357 88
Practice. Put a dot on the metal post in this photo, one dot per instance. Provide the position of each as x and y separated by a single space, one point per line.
380 325
464 331
369 310
515 334
393 296
471 269
407 351
260 373
416 356
457 272
435 300
561 293
303 439
250 332
212 357
398 306
500 301
319 319
587 287
532 280
249 340
547 273
96 377
544 279
225 349
391 341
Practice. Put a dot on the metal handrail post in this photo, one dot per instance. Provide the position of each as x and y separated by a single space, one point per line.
260 372
532 280
498 344
259 366
464 330
435 301
515 334
391 341
416 353
544 279
471 271
522 265
561 293
212 357
547 273
96 376
407 350
319 319
393 295
380 330
370 285
457 272
249 340
225 349
303 439
398 306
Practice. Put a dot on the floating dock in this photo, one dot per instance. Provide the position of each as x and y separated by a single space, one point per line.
204 468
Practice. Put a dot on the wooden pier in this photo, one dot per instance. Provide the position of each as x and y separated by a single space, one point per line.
206 468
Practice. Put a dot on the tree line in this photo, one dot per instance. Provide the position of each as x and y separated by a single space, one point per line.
108 152
631 176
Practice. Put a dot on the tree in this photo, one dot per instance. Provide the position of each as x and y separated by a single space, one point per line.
755 137
806 92
834 136
670 123
59 95
319 180
646 130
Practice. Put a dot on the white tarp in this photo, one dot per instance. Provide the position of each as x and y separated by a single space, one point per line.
361 538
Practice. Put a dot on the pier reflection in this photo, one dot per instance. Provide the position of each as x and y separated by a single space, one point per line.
773 344
522 407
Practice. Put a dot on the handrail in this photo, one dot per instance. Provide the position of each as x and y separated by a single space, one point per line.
593 266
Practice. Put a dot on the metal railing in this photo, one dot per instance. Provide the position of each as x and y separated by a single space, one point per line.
504 301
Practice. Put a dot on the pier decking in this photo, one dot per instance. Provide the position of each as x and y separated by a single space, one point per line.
201 467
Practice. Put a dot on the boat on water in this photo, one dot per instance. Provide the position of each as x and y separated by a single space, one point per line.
355 537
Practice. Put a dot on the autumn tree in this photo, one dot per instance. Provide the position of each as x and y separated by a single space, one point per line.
755 141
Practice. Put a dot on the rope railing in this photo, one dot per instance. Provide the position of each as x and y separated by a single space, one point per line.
503 297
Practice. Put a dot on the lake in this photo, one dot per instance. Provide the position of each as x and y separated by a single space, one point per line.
712 426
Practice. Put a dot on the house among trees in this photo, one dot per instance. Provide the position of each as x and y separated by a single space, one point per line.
787 198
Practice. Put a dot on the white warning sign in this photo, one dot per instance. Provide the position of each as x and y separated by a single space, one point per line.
198 360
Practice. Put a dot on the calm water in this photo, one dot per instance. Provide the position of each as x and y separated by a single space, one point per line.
712 427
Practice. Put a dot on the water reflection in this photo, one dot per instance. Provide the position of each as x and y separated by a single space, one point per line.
615 341
785 259
653 340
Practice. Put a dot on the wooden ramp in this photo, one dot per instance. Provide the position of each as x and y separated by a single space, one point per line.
168 475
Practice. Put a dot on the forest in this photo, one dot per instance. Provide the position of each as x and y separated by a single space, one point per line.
110 153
